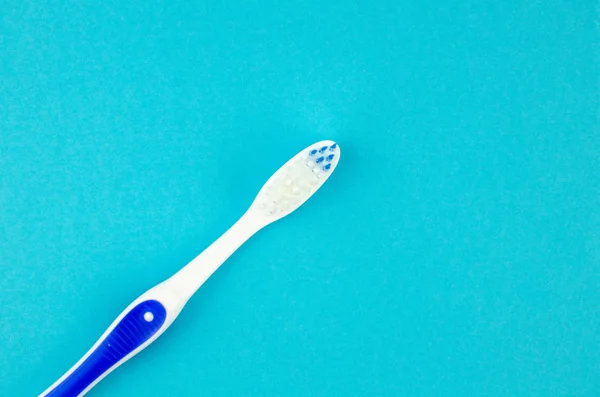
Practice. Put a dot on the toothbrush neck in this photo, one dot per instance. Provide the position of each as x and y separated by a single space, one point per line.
191 277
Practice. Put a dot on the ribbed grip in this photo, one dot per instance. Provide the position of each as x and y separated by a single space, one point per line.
135 328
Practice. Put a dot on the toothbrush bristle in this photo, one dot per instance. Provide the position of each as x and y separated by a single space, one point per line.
297 180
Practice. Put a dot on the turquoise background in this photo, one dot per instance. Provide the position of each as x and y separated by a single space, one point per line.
454 252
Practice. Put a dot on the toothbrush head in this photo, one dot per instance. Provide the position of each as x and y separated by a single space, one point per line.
296 181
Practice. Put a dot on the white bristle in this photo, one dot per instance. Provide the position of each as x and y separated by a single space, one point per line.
296 180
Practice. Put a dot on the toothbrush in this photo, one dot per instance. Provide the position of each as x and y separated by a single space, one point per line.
147 317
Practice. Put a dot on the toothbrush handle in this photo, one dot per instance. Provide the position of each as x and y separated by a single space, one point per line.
136 327
149 316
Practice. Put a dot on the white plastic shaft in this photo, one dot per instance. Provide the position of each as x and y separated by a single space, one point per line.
191 277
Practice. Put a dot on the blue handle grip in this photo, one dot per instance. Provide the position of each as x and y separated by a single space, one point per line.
143 321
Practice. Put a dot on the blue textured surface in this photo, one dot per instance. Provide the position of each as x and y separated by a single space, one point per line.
129 334
454 252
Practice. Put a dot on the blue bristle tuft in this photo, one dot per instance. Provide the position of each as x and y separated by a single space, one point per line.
320 160
330 157
333 147
327 167
312 152
323 149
